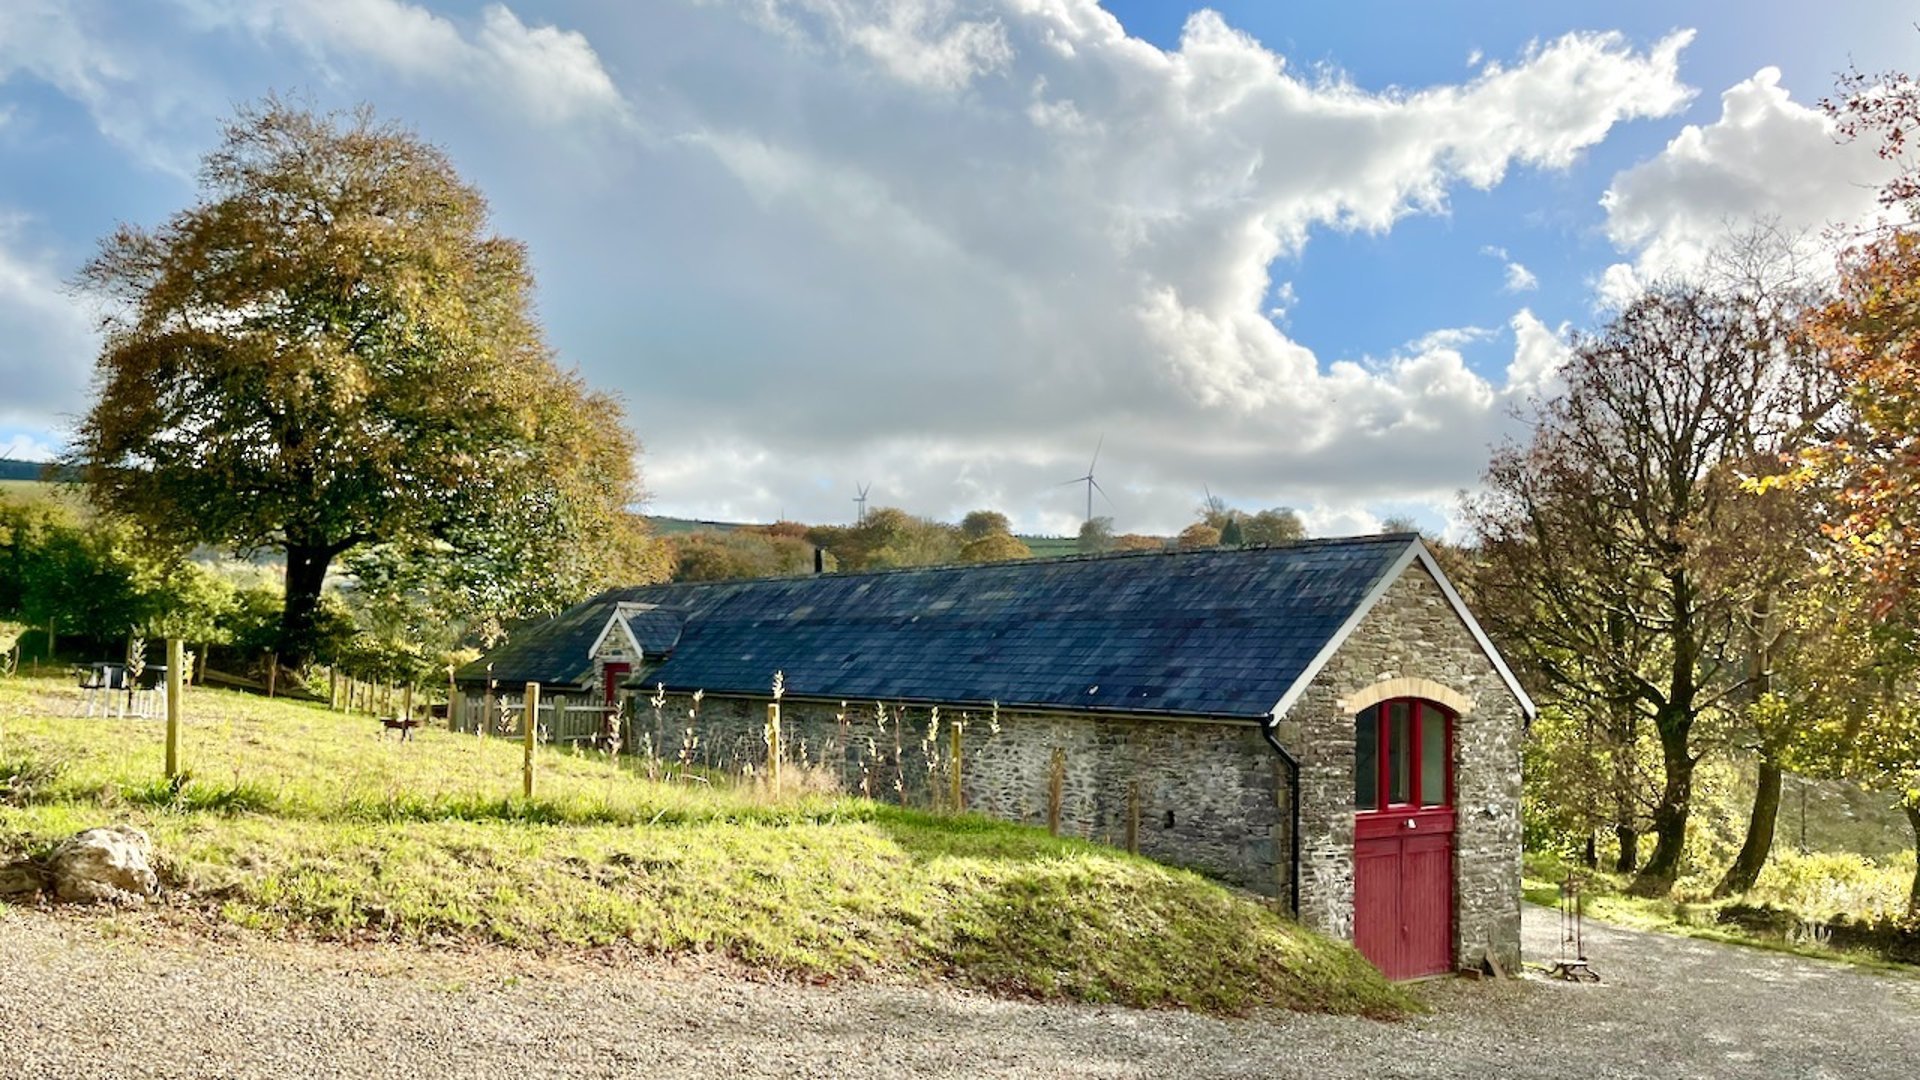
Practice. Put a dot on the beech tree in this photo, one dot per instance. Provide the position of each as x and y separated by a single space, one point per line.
332 352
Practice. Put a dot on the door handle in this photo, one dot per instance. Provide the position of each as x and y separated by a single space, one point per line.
1412 824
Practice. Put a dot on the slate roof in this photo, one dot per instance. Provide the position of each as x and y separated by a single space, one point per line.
1205 633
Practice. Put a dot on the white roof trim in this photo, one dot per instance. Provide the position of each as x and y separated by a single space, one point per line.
618 618
1416 550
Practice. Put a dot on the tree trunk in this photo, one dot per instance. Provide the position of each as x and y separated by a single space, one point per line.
1674 724
306 572
1759 843
1913 892
1629 839
1590 855
1670 817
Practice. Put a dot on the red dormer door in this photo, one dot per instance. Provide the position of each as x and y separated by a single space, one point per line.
1403 838
611 676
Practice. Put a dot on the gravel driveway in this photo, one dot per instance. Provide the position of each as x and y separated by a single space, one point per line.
89 997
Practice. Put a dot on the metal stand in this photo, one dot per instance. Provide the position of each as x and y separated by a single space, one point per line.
1572 936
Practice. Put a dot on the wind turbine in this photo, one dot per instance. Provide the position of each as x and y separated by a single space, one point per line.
1092 484
861 500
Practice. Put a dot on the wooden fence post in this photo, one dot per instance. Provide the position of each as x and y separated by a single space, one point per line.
174 663
453 692
1056 788
486 711
530 722
773 745
1133 816
956 798
273 672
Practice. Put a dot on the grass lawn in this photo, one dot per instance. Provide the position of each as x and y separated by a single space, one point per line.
296 820
1813 887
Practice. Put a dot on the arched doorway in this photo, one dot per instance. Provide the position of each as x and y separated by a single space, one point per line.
1403 837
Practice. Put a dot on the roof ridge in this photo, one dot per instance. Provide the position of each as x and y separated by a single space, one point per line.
1049 560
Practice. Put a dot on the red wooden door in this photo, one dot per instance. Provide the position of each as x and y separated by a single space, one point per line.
1403 839
614 675
1403 892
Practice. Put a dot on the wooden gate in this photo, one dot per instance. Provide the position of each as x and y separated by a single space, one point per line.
1403 838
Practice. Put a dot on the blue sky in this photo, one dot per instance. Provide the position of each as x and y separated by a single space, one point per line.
1296 254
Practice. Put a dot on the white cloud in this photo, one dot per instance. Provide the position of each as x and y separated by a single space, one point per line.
1076 229
137 94
946 246
924 43
22 447
1518 277
547 73
50 342
1766 161
1539 352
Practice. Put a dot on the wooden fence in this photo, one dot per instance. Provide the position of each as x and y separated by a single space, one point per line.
562 719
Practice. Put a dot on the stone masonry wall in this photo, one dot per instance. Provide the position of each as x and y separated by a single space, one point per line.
1413 633
1211 796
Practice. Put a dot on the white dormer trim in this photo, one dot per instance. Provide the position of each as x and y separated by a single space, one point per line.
1416 551
619 619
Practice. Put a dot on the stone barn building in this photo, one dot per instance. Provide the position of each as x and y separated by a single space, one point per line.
1322 722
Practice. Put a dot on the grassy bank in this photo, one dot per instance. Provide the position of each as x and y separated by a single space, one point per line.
299 821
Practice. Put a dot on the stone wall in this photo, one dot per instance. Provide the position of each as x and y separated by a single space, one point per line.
1205 795
1413 633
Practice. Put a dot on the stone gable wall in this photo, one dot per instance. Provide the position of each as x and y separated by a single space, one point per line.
1413 633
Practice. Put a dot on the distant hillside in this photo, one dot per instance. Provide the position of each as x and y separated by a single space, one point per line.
15 469
668 526
1051 547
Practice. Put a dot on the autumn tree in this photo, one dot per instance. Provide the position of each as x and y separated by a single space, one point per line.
331 351
1213 511
1096 535
1279 525
1605 535
889 537
1870 331
713 555
987 536
1197 536
981 524
994 547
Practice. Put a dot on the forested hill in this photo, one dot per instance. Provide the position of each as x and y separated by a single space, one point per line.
14 469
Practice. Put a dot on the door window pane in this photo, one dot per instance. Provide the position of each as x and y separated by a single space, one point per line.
1399 752
1433 757
1366 759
